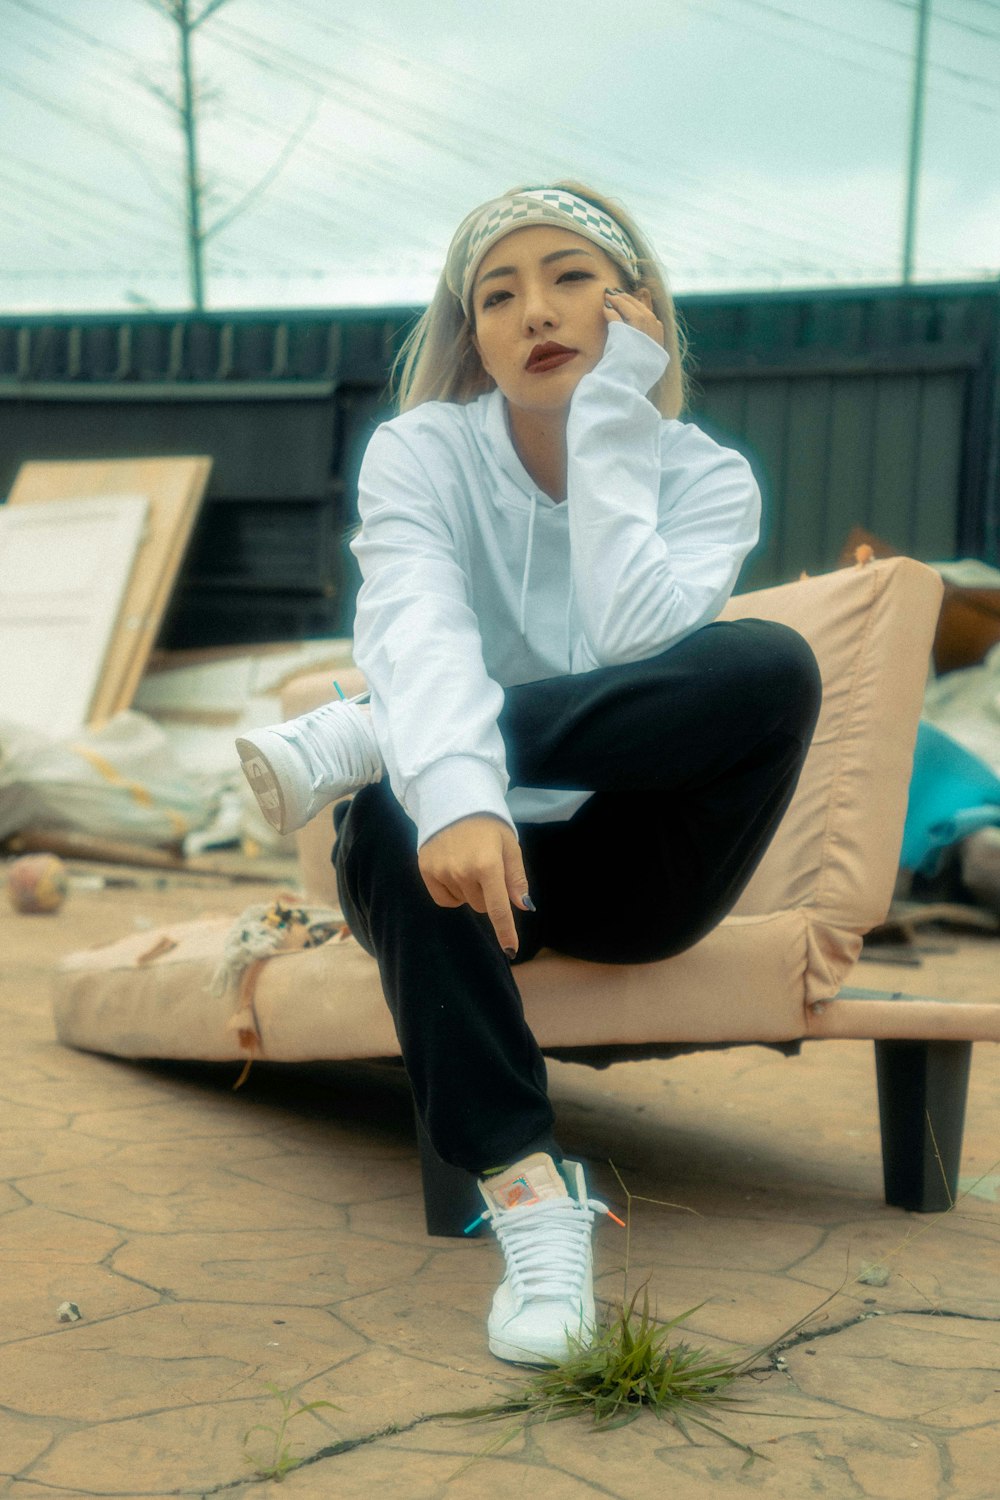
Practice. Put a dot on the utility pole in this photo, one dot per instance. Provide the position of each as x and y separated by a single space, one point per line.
916 137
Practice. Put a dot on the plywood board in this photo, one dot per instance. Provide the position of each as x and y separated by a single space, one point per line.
174 489
64 570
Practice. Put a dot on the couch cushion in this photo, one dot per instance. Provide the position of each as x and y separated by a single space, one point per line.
327 1002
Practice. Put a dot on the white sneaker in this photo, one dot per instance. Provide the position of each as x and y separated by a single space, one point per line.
296 768
543 1219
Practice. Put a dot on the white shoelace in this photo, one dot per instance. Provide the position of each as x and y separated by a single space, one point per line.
546 1246
338 745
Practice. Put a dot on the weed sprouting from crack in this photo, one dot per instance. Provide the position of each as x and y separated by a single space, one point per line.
631 1364
281 1460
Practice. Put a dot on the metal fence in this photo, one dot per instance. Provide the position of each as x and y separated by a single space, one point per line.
878 407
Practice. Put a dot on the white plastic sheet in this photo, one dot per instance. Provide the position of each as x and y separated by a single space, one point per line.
121 781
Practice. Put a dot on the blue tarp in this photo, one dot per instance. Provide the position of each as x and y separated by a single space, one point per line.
952 794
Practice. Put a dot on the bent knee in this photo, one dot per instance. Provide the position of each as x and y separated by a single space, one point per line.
783 669
373 828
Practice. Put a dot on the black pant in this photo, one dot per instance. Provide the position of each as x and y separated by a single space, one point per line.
692 756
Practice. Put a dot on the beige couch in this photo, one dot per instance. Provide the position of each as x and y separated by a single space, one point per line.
771 972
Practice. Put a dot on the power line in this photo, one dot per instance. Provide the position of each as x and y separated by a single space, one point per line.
993 36
673 169
432 128
80 32
868 42
105 132
37 194
845 275
37 169
853 63
302 69
301 62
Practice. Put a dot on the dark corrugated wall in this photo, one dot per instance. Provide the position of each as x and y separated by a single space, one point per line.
877 407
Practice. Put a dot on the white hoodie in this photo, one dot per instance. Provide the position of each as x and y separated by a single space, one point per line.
474 580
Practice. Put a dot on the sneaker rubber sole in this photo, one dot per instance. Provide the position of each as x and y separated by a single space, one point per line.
265 783
515 1354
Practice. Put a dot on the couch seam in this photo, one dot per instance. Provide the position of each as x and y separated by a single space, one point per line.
877 590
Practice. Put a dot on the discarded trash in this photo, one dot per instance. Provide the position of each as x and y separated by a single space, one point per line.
258 934
874 1275
37 884
979 859
68 1312
120 781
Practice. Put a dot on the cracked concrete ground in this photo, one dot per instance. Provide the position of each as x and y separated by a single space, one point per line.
219 1243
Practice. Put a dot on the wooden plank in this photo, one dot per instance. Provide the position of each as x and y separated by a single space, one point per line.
84 846
174 488
64 570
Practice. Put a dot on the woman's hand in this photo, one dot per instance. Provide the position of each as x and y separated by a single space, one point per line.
622 307
477 862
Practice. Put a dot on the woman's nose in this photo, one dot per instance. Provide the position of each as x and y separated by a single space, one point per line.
538 312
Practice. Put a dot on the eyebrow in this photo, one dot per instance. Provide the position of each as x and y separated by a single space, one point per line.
545 260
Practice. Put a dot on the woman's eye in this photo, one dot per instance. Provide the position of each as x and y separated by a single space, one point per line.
494 298
577 276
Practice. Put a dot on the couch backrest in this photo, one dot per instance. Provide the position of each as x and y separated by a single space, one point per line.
871 628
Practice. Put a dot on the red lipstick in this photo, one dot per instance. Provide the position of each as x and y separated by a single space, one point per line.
548 357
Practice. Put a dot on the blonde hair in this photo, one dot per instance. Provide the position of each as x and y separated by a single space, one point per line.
439 362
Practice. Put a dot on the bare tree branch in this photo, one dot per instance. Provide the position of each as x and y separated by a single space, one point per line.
269 176
161 94
207 10
163 8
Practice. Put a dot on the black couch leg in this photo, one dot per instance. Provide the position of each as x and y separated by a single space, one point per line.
451 1196
922 1088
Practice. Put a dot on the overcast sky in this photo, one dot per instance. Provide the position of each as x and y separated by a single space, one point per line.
761 144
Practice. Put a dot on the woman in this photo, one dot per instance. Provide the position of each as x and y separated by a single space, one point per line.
577 756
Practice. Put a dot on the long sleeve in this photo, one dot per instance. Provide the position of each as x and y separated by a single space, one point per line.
661 517
418 642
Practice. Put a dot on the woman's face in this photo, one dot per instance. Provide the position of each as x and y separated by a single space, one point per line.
538 311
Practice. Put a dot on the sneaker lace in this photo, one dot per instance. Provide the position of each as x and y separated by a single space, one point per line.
337 739
546 1246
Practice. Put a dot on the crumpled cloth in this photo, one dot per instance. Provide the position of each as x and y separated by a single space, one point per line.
259 933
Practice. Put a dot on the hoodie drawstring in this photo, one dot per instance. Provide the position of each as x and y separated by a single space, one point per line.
527 562
569 612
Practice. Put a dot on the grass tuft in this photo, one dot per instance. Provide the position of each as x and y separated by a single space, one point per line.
632 1365
280 1461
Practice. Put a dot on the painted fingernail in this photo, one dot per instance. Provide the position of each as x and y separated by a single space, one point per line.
527 902
511 952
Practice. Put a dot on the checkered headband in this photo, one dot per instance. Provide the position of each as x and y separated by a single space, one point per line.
485 225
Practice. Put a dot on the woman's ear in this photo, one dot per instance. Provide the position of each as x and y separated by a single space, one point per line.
645 296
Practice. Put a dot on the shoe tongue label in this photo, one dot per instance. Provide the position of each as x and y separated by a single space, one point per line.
530 1181
515 1194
